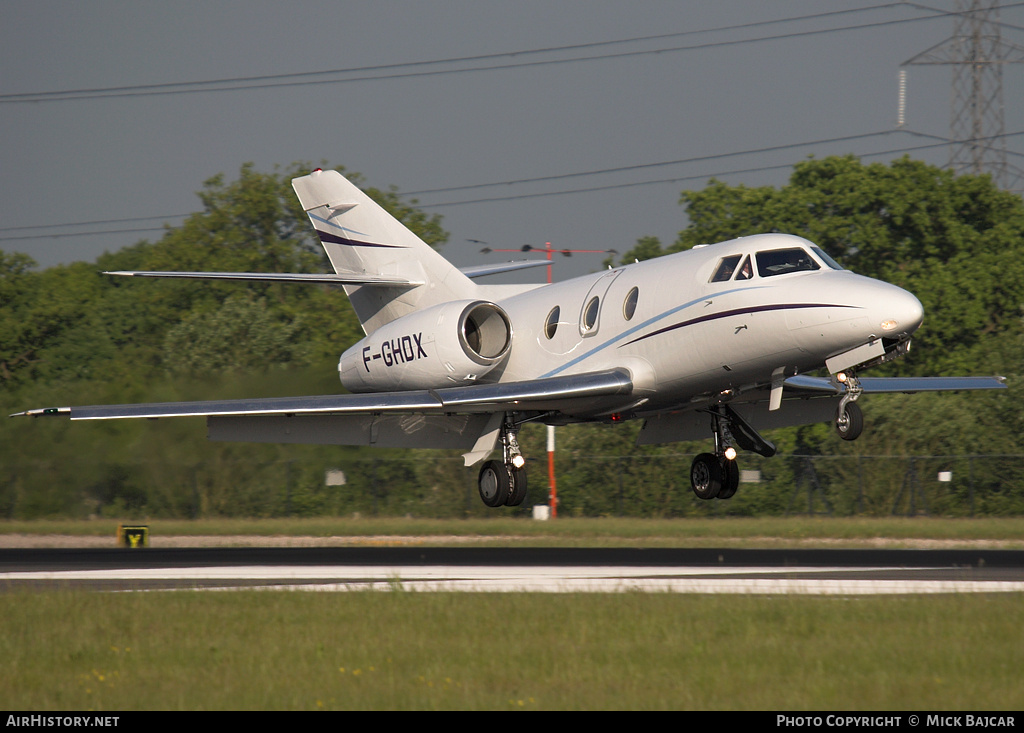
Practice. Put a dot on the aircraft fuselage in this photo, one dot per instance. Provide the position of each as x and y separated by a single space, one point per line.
685 325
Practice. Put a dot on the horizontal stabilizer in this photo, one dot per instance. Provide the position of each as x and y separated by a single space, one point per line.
269 277
547 394
481 270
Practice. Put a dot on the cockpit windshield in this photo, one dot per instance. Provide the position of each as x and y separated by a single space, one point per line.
784 261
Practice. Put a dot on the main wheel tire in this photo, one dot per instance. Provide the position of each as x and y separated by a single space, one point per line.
730 479
706 476
494 483
850 424
518 493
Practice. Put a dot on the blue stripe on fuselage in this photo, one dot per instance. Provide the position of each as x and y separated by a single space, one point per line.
690 322
639 327
736 311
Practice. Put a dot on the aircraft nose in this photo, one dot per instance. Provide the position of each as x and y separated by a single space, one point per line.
901 313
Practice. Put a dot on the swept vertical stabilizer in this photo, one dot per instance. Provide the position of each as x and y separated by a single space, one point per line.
361 238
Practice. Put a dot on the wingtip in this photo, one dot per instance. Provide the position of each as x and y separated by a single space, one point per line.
42 411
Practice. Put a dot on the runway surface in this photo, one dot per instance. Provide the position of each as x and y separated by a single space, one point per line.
548 570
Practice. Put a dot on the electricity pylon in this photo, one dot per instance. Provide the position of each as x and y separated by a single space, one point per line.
977 54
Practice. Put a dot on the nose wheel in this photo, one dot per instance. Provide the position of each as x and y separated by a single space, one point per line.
850 422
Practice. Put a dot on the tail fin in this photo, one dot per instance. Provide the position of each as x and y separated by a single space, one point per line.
361 238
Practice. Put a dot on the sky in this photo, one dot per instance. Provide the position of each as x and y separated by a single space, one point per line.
615 107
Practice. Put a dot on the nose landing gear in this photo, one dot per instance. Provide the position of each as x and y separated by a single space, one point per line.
849 418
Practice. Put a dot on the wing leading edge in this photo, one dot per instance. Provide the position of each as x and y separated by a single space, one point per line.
892 385
554 393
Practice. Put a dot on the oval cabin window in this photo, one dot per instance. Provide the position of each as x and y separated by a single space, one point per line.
551 325
590 314
629 305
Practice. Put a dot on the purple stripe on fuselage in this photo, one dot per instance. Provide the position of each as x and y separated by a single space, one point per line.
737 311
326 238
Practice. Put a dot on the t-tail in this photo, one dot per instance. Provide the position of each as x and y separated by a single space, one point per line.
386 270
364 242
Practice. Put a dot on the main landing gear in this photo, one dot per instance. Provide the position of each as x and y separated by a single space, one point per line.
716 475
503 483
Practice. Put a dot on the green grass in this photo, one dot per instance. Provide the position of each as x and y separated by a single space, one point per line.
564 532
251 650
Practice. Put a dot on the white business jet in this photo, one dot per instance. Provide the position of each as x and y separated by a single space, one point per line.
717 341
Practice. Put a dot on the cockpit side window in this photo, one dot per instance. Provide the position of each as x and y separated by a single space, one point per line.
784 261
725 268
823 255
746 269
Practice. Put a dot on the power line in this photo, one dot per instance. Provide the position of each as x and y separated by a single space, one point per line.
697 159
94 222
302 78
698 176
457 59
941 141
65 235
1002 23
578 174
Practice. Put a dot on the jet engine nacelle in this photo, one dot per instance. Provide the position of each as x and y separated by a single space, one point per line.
445 345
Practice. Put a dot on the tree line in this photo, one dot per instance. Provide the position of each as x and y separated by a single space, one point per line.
70 335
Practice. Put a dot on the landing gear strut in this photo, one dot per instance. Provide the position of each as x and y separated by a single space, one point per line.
716 475
503 483
849 418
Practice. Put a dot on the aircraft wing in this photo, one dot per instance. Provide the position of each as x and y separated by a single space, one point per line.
890 385
554 393
799 406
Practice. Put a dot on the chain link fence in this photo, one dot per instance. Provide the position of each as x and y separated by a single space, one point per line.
429 484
